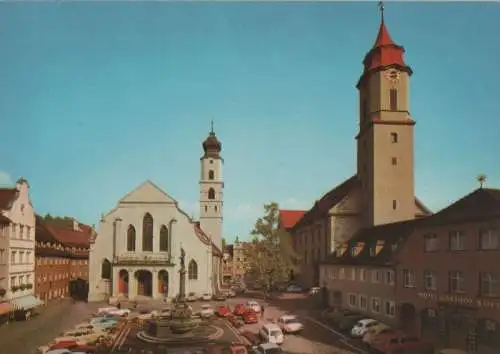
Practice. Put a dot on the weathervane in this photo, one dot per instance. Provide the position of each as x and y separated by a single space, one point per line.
481 179
381 8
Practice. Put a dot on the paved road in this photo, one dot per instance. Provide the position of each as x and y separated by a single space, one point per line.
25 337
316 338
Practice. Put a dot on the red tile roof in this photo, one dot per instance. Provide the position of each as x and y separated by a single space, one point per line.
7 196
384 53
47 232
288 218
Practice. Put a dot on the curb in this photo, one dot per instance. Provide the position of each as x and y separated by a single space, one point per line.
238 334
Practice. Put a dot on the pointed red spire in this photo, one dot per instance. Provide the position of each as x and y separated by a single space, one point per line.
384 53
383 37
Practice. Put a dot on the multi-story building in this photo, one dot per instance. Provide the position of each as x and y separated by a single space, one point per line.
227 265
382 190
240 260
17 247
62 259
449 275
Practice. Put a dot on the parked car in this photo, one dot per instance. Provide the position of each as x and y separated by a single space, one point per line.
206 297
207 311
233 348
294 288
191 297
271 333
119 312
223 311
314 290
254 305
348 322
363 326
290 324
267 348
250 316
229 293
376 330
239 309
219 297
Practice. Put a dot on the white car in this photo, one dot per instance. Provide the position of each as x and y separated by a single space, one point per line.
267 348
314 290
254 305
363 326
290 324
271 333
294 289
206 297
119 312
191 297
207 311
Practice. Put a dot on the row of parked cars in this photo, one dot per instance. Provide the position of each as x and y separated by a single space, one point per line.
92 337
377 335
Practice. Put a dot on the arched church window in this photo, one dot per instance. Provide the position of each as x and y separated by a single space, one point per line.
163 238
131 238
211 193
147 233
211 174
193 270
393 98
106 269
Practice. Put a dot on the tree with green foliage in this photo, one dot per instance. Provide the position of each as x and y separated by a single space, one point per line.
270 253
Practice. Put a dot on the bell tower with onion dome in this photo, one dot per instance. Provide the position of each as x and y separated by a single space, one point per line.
211 188
385 162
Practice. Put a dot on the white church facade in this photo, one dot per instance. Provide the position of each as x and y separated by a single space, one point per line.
137 249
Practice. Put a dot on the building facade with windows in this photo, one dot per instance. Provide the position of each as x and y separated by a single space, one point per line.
62 258
450 287
382 190
435 277
138 248
17 246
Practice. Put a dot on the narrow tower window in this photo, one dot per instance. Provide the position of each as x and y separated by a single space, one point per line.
215 208
394 161
211 194
393 93
206 208
211 174
394 137
394 204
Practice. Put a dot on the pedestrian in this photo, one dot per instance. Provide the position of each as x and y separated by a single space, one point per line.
262 311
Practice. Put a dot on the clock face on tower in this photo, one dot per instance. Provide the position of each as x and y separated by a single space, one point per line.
393 75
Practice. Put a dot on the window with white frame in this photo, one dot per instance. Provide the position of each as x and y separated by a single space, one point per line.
363 302
457 241
489 284
409 278
376 276
431 243
362 274
353 273
489 239
333 273
13 256
429 280
341 273
353 300
389 277
456 281
375 304
389 308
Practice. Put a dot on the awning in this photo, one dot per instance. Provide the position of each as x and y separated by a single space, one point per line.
5 308
25 303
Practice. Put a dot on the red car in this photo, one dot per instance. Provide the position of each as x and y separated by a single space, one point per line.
250 316
239 310
223 311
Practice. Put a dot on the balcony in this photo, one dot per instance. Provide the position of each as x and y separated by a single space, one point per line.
143 260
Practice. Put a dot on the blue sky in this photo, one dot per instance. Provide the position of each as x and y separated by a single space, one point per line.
97 97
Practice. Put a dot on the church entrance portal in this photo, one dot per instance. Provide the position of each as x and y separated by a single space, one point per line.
144 283
123 282
163 282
